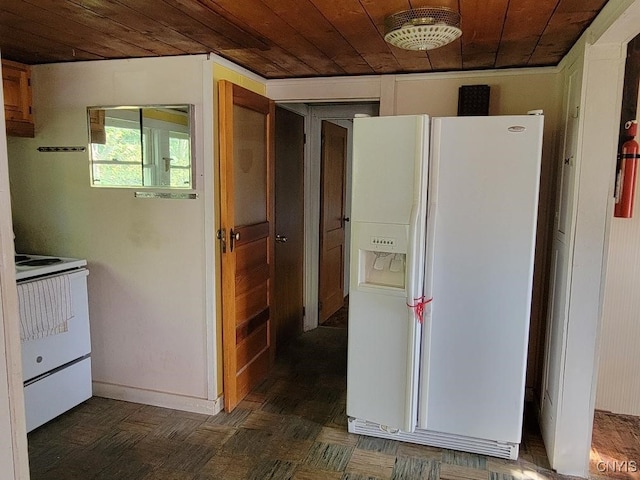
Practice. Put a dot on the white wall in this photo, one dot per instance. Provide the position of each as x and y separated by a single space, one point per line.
512 91
618 381
145 256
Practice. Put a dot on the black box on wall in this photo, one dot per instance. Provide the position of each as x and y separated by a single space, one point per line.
473 100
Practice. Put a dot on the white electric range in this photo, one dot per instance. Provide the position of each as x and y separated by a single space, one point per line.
30 266
57 367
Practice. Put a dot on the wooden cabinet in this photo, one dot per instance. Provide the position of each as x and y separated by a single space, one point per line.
16 83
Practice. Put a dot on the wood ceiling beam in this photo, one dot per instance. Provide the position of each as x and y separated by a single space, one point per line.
34 20
180 21
52 51
100 24
242 37
288 44
142 23
253 61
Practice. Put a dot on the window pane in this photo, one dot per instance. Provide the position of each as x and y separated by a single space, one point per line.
149 155
123 145
180 177
180 149
249 166
117 174
143 146
119 158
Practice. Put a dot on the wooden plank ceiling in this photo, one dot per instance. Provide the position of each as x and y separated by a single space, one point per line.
290 38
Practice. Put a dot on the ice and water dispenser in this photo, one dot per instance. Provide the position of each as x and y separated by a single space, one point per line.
382 257
387 209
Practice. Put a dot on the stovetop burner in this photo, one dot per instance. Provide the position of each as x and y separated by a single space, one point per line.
40 262
31 266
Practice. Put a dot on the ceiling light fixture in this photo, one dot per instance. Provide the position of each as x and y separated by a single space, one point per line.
422 28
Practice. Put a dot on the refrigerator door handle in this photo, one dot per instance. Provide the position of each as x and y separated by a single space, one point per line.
415 297
415 273
425 364
414 285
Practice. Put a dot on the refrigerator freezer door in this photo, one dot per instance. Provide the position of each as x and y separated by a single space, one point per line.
388 217
485 203
385 152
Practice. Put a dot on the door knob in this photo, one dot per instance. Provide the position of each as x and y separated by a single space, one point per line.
233 237
281 239
346 219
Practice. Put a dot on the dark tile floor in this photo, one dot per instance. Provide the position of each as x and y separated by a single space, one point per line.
339 319
293 426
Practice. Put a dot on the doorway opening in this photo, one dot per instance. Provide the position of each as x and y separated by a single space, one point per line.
299 209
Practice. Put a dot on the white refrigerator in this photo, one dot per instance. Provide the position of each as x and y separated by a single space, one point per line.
443 233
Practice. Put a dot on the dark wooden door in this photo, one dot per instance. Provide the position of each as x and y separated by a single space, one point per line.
289 218
332 218
246 134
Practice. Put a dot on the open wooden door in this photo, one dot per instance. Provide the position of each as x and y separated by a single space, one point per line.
332 219
246 127
289 220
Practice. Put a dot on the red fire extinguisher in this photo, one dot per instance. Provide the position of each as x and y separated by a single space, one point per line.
626 181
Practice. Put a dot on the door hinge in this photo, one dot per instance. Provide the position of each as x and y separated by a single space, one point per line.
319 306
304 311
304 138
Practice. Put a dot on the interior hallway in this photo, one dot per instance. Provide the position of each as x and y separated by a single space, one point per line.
292 427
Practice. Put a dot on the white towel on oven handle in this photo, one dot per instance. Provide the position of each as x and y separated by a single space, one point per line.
45 307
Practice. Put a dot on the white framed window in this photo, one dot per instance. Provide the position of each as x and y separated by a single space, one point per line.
141 147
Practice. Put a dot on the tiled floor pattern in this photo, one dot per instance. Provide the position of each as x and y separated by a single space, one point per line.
293 426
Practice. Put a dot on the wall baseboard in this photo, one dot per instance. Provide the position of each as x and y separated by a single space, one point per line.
158 399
